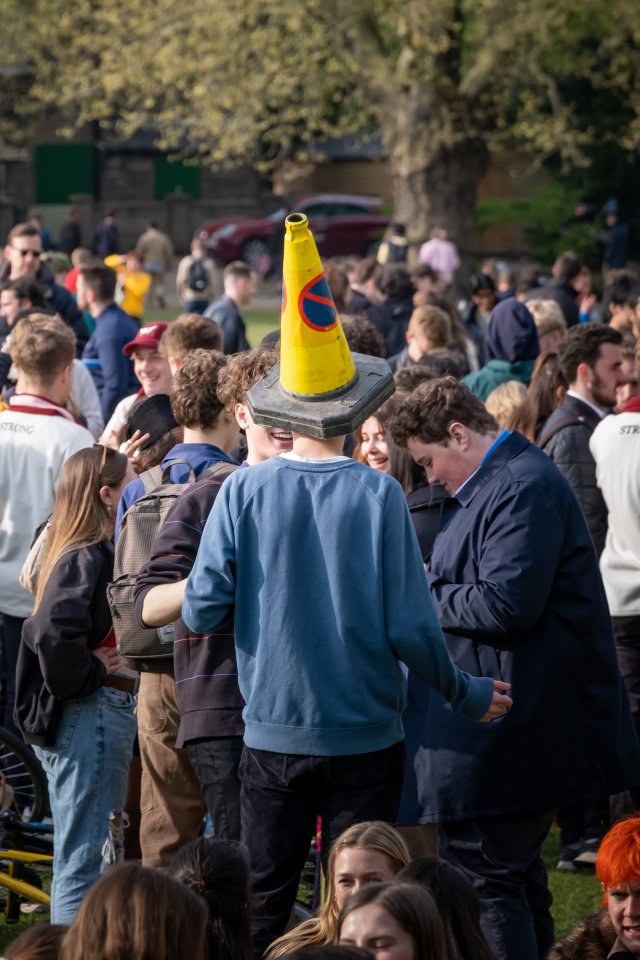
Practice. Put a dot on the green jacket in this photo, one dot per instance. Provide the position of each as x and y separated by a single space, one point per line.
495 372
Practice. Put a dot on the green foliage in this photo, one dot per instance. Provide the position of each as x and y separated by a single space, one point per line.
547 220
255 83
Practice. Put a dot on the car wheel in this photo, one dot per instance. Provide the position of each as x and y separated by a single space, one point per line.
257 254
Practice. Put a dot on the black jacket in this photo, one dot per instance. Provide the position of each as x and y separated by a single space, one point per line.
564 295
55 662
59 301
391 319
565 438
204 664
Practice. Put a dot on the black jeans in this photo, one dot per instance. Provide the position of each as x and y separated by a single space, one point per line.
215 763
10 633
627 634
282 794
501 857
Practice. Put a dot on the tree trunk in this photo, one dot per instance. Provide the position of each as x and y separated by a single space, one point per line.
435 170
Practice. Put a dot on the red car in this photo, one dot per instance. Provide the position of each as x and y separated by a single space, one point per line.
342 225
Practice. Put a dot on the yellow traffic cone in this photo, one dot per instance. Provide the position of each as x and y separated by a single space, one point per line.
319 388
314 355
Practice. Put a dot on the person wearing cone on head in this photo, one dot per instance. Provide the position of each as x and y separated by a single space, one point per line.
318 556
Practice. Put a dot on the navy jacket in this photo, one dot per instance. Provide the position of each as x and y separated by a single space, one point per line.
114 377
517 590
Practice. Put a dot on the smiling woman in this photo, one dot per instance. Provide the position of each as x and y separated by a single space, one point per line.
365 853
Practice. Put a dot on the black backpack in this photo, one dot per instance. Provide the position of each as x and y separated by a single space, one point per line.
197 278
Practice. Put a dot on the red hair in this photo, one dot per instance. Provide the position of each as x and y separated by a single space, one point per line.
618 860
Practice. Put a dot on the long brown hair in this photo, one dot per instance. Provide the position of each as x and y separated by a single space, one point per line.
370 835
135 913
414 910
79 517
543 396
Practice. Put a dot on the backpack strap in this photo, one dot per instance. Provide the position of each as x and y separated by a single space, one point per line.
165 476
220 467
550 429
151 478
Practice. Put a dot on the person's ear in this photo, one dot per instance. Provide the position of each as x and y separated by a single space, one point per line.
241 415
459 434
585 373
106 495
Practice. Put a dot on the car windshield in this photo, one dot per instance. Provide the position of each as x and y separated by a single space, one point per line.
278 214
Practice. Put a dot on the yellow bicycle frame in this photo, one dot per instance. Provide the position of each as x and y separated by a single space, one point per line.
24 889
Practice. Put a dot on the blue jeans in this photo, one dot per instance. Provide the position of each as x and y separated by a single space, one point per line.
87 769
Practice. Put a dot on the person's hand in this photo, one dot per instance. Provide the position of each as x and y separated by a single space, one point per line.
587 303
500 702
131 447
109 658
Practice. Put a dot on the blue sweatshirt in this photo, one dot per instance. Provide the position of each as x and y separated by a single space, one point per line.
322 564
114 377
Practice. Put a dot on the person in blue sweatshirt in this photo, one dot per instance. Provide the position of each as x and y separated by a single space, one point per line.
317 555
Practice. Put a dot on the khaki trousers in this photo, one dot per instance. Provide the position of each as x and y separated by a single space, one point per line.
171 804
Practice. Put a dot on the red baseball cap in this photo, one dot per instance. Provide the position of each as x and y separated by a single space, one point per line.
148 336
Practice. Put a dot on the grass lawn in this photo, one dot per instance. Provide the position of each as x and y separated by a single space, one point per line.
259 319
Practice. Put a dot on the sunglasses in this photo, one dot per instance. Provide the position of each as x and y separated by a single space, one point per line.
29 253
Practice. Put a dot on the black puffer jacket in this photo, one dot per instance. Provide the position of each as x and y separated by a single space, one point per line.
55 661
565 438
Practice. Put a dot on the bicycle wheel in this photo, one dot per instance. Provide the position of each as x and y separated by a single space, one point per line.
25 777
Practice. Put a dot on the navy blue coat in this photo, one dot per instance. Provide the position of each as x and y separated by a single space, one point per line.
517 590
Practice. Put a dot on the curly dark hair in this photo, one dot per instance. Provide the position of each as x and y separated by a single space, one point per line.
429 411
194 396
582 344
241 372
362 336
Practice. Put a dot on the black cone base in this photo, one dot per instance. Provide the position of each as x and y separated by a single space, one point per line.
323 417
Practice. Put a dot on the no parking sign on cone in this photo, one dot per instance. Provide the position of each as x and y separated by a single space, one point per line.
319 388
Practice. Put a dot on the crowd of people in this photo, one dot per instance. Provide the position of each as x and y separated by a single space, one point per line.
380 570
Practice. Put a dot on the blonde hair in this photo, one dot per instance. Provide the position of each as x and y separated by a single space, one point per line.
79 517
547 316
503 402
370 835
433 323
40 350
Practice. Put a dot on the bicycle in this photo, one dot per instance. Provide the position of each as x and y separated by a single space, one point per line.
23 785
25 847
